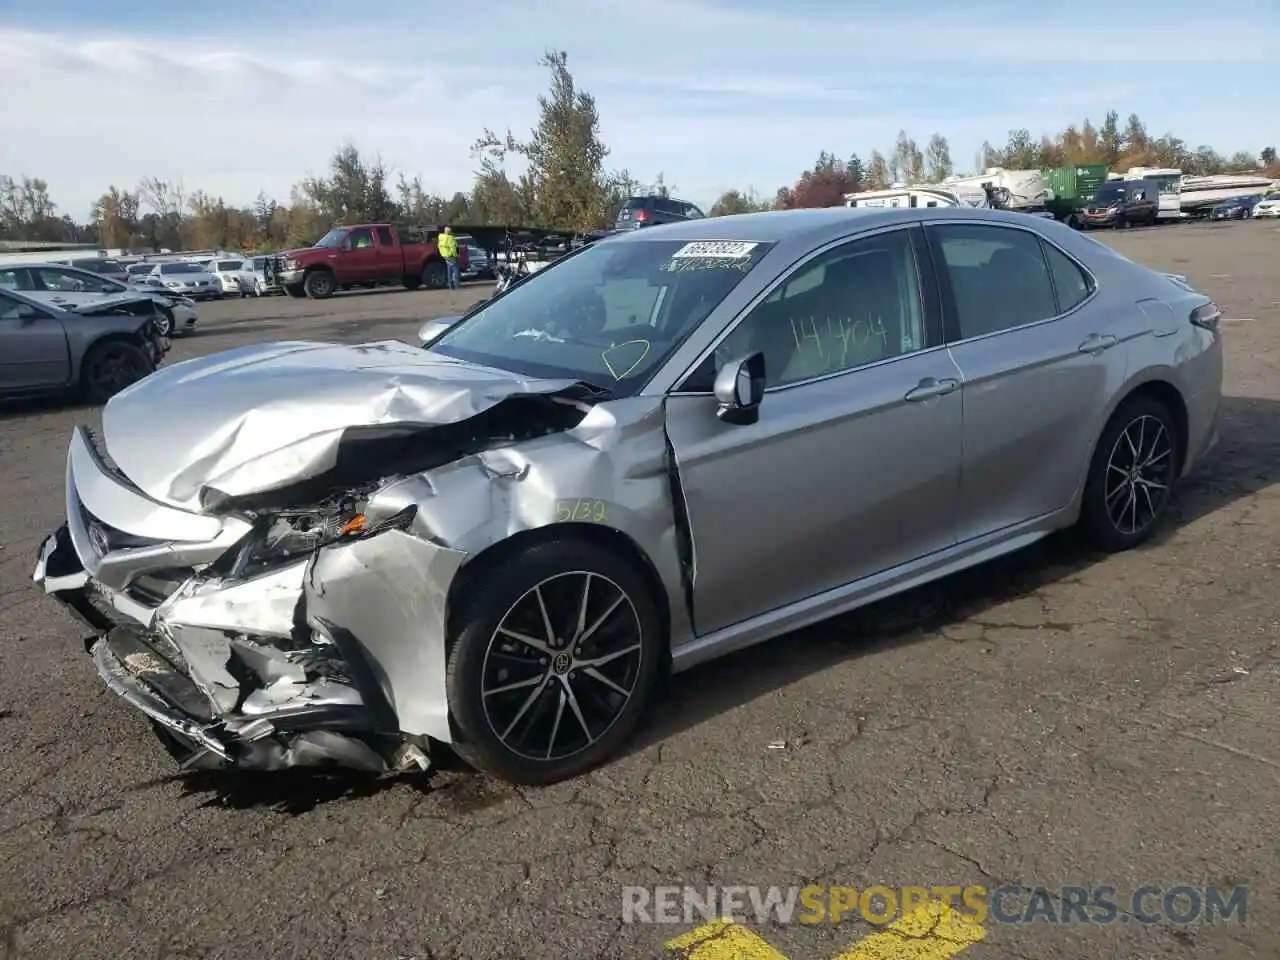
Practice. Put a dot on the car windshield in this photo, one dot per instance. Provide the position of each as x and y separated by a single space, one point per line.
1108 194
609 314
229 265
259 263
140 268
181 268
333 238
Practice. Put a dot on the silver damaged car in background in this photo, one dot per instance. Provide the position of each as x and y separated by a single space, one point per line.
659 449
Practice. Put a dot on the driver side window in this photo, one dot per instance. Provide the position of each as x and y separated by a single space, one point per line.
13 309
854 305
64 282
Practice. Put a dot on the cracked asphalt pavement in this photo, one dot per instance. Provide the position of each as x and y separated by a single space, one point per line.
1054 718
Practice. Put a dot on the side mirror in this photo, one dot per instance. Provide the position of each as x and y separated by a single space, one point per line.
433 328
739 388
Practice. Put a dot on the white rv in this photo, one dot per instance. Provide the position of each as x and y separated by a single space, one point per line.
1026 191
904 196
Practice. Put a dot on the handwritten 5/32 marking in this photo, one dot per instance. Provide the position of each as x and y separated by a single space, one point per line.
581 511
934 931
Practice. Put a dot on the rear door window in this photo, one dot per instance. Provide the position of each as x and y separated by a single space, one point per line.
384 237
998 277
672 208
1072 284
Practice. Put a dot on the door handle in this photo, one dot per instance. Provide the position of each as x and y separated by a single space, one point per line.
930 387
1097 342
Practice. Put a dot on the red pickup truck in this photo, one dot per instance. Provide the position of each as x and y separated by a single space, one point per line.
363 255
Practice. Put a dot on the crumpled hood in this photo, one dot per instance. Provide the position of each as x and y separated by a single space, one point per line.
79 302
262 417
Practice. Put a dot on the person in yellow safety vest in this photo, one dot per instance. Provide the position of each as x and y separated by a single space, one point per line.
448 247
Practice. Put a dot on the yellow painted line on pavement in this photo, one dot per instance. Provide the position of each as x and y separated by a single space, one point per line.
723 940
932 932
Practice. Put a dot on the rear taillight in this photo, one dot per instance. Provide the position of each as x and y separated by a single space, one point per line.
641 216
1207 317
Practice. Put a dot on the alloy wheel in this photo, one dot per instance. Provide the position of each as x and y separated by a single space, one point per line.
561 666
1139 475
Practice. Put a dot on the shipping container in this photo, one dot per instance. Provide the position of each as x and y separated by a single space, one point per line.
1073 187
1077 182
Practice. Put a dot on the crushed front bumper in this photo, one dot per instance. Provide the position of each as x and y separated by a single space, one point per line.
337 658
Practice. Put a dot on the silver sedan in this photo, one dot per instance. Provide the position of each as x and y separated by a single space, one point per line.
664 447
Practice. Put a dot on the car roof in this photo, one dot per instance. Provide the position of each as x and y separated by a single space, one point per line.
812 225
41 265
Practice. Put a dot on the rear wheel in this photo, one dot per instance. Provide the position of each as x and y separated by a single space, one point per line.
1132 475
110 367
166 321
435 276
554 661
411 283
319 285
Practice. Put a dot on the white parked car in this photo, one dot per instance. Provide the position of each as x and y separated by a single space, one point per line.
1268 206
235 275
60 285
263 285
187 279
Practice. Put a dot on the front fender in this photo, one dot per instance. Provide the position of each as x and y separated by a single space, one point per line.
382 601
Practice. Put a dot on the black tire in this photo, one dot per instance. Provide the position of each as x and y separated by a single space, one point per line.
111 366
167 324
411 283
1105 489
435 275
319 285
502 592
294 290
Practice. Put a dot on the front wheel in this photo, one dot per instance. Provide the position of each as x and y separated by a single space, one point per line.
166 321
554 660
1132 476
294 290
110 367
319 285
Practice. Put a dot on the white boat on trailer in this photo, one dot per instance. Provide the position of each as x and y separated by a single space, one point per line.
1201 194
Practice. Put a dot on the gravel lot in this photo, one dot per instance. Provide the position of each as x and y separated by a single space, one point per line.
1056 718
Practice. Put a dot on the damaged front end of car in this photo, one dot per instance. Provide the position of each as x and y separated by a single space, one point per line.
292 616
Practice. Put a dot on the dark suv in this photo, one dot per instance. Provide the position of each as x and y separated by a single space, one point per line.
1123 203
647 211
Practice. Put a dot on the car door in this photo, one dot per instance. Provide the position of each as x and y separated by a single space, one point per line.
388 259
358 260
854 464
1038 360
33 347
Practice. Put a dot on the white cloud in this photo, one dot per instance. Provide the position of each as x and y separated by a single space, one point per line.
712 97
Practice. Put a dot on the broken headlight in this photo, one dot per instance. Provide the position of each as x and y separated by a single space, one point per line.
290 535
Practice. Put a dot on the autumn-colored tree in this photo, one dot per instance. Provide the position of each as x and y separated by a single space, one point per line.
115 214
825 185
735 201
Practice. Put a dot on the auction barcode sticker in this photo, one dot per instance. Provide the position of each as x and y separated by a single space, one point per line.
715 250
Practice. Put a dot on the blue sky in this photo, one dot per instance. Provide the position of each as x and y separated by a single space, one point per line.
714 94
